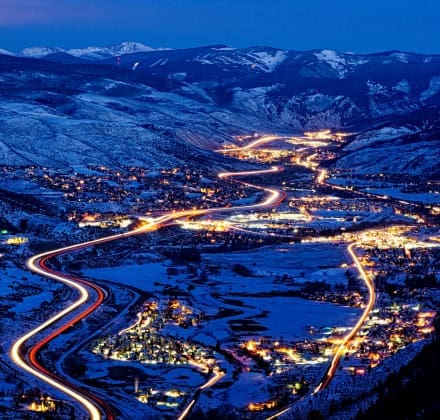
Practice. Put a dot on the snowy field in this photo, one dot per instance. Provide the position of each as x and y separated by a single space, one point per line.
23 291
251 304
289 316
426 198
139 276
303 262
239 308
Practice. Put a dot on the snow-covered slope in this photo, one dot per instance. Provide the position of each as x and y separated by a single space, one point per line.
335 60
412 148
6 52
398 157
341 63
39 52
100 53
90 53
257 58
302 90
380 135
67 119
201 96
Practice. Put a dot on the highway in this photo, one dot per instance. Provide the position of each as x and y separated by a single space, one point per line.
91 296
253 144
346 340
27 357
321 179
211 382
342 348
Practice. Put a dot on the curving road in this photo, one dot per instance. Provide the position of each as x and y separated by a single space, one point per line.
253 144
331 370
27 358
346 340
321 179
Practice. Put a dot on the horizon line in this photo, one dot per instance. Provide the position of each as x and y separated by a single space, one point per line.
66 49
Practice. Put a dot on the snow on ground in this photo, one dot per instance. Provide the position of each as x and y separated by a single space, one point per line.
426 198
357 182
33 302
249 387
433 89
297 260
253 100
336 61
401 56
185 376
394 157
403 86
288 317
38 52
374 136
224 289
270 62
224 49
140 276
21 296
100 119
5 52
22 185
114 50
276 317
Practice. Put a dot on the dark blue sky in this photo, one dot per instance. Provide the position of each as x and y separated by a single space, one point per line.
344 25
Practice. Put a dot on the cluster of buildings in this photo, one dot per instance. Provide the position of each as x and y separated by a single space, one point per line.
162 399
289 150
336 204
146 343
409 183
282 356
294 365
388 330
43 405
143 342
99 196
408 265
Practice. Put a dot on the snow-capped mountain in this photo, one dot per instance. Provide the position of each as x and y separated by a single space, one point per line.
202 96
5 52
39 52
341 63
57 116
100 53
406 144
207 63
261 59
89 53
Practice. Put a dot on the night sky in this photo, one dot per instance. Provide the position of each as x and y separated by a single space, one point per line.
343 25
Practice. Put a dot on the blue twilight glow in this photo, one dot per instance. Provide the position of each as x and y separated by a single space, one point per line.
344 25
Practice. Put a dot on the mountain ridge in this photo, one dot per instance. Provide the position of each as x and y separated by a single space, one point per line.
201 97
130 47
90 52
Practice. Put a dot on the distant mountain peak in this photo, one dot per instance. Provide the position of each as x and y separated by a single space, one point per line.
39 52
5 52
128 47
91 53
